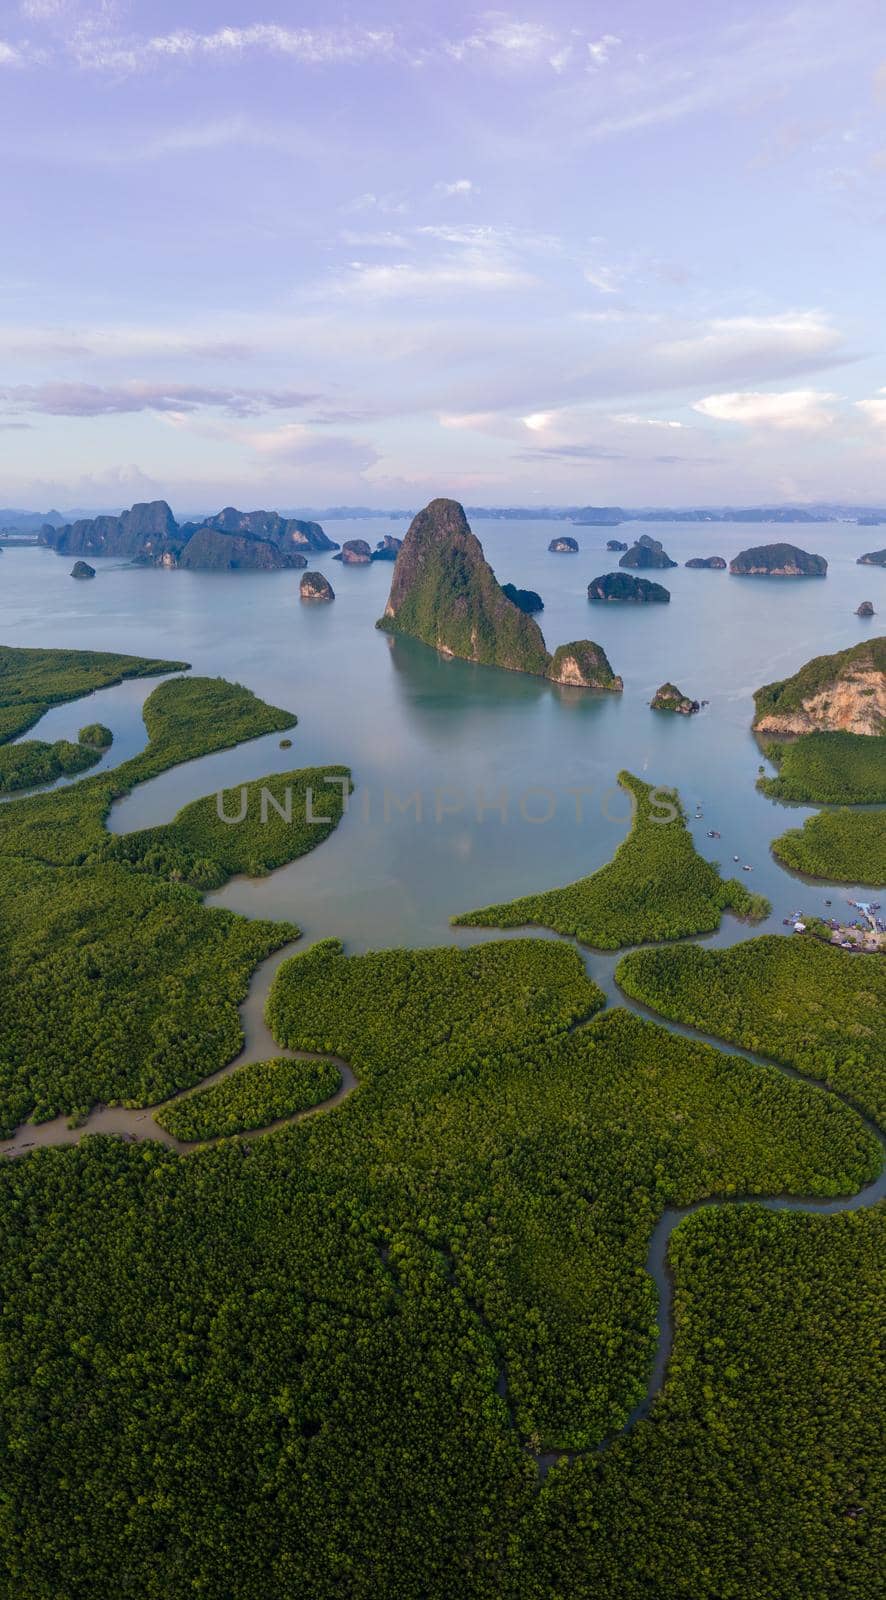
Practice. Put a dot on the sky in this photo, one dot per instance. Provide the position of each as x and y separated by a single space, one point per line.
626 253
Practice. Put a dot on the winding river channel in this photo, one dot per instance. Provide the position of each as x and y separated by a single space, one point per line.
263 898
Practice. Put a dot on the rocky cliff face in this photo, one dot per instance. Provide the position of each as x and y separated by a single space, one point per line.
874 558
647 552
564 545
387 548
621 586
354 553
445 593
670 698
210 551
314 586
583 665
143 529
285 532
82 569
778 561
843 692
150 535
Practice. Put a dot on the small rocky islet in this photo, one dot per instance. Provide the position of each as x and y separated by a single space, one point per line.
354 553
82 570
646 552
527 600
314 586
778 561
564 545
713 563
669 698
621 586
874 558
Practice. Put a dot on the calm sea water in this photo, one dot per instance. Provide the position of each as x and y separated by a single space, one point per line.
494 756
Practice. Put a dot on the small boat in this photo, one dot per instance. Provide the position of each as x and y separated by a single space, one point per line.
736 858
746 868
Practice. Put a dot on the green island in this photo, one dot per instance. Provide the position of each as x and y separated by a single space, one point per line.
844 692
828 769
842 846
95 733
254 1095
271 821
656 886
399 1302
33 680
33 762
121 986
808 1005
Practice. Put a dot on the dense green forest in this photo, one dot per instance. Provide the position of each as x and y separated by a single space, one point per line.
33 680
824 769
809 1005
253 1096
25 765
760 1474
320 1363
185 718
119 985
656 886
842 846
283 815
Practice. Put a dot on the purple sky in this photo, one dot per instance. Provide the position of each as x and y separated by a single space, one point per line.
630 252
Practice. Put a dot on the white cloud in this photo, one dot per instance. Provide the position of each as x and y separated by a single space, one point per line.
606 279
9 56
629 419
94 400
601 49
316 47
519 41
804 409
874 410
458 186
407 278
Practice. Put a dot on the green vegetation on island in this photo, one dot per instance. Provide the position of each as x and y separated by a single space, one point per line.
253 1096
33 680
319 1363
97 735
839 769
845 692
444 593
32 763
251 828
778 561
585 665
656 886
843 846
185 718
120 986
669 698
808 1005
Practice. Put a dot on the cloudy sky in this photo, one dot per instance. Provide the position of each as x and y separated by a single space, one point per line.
618 252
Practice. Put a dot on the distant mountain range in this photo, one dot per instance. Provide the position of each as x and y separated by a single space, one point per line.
231 539
18 521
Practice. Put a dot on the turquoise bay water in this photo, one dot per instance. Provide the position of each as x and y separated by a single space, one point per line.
468 740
